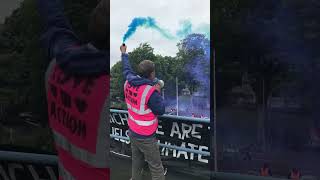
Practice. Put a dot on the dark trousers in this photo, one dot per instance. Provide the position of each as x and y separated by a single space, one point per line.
146 150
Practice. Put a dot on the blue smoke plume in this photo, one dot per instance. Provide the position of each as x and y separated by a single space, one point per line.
199 65
203 29
199 68
186 28
147 22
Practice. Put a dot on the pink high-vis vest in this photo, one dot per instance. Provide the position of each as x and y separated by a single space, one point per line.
78 115
141 120
295 175
264 172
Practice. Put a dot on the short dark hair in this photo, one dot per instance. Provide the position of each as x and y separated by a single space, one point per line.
99 25
145 68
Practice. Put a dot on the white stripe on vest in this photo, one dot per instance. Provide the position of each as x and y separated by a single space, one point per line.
141 111
64 174
141 122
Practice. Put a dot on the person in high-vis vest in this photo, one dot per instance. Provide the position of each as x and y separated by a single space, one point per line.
294 174
265 170
77 85
144 103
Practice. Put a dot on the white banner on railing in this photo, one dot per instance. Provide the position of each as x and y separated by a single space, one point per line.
186 134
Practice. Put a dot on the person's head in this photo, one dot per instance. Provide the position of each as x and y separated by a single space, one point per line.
99 24
146 69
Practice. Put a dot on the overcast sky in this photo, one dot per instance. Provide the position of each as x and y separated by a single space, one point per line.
168 14
7 7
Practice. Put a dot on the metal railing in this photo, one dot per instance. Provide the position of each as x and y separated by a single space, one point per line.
170 117
28 158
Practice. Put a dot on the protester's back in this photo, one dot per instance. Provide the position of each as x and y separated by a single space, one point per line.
77 84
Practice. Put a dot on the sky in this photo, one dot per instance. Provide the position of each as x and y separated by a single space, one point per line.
167 13
7 8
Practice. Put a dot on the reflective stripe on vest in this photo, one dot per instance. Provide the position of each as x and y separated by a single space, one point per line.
264 172
64 174
295 176
140 111
141 122
99 159
78 153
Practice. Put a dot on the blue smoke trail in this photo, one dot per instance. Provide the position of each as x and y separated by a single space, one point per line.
203 29
186 28
147 22
198 67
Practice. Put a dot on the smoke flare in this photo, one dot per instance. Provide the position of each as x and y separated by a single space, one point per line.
147 22
186 28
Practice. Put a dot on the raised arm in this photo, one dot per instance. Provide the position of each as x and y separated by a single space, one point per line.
128 73
58 34
61 43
